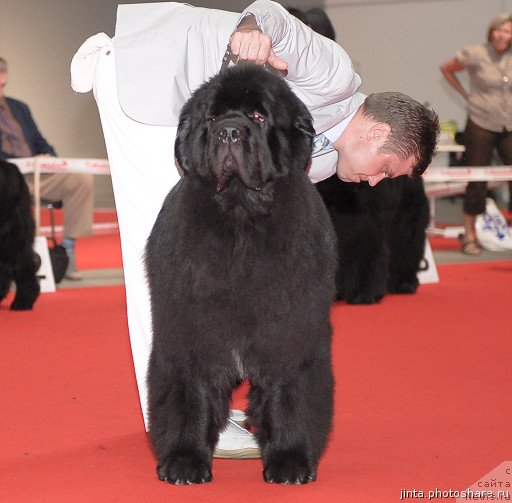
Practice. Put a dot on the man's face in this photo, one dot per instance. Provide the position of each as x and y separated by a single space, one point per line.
359 158
371 166
501 37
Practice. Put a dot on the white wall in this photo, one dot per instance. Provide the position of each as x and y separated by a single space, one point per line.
38 38
398 45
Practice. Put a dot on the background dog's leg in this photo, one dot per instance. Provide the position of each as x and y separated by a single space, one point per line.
27 286
362 273
292 416
187 412
5 280
406 236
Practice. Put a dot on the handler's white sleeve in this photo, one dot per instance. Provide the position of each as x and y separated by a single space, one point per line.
320 71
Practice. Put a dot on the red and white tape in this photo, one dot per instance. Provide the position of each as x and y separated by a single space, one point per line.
48 164
468 174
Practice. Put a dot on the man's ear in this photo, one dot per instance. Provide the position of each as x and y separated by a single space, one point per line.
180 154
379 131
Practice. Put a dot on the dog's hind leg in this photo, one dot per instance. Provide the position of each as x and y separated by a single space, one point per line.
27 286
292 417
187 413
5 280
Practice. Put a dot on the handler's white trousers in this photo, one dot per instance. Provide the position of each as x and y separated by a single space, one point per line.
142 167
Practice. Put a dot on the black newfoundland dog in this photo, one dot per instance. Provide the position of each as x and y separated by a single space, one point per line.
17 258
381 235
241 265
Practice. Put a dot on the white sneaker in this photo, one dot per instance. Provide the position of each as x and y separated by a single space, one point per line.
236 442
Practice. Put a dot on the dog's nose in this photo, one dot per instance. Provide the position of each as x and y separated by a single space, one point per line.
230 134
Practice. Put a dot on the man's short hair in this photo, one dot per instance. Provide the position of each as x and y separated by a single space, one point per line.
414 127
3 65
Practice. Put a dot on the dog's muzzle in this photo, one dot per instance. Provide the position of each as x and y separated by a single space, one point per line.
229 144
230 134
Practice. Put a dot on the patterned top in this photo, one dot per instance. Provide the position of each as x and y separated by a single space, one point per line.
490 96
12 139
321 145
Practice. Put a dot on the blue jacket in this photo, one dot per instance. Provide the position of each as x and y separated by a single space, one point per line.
35 140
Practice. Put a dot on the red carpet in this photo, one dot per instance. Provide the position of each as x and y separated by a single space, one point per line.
99 216
440 243
422 401
102 251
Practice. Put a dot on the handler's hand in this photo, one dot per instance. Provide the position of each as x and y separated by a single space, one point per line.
249 43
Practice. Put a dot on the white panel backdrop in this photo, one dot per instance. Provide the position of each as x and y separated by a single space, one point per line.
396 45
399 44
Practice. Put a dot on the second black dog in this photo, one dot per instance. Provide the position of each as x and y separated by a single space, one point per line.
381 234
17 258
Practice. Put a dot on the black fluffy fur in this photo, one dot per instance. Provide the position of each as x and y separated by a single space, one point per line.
381 236
17 258
241 265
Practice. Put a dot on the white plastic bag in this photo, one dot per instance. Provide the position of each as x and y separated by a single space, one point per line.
492 229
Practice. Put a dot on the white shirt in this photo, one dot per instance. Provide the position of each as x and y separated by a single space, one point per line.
165 50
320 72
324 157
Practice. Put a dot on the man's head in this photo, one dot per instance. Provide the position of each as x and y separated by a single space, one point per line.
390 135
498 33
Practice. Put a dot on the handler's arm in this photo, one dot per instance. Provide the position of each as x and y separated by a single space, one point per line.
449 69
249 43
319 67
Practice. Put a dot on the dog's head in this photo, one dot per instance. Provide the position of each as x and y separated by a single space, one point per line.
245 124
12 187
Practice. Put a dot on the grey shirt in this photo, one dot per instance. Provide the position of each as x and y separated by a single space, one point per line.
490 95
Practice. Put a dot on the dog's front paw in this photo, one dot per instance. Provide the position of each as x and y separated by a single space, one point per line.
290 467
184 470
364 298
407 287
21 305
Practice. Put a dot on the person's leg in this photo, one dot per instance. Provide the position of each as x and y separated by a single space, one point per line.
143 171
141 159
504 148
76 191
479 148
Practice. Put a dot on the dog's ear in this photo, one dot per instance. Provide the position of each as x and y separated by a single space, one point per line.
304 124
12 185
179 146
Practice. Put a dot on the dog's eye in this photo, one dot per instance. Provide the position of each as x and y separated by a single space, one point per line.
257 117
212 118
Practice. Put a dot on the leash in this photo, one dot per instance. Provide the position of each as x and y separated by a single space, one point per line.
229 57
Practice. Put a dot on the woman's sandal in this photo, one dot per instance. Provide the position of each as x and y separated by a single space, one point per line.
471 248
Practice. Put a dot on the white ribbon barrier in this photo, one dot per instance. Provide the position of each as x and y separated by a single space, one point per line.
47 164
449 181
468 174
450 147
439 181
